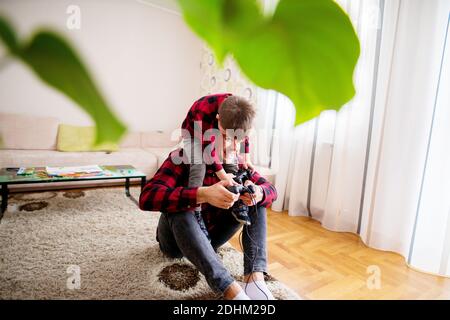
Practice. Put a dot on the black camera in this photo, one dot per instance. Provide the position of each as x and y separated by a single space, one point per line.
240 209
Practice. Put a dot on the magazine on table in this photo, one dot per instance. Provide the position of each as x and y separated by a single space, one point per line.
76 170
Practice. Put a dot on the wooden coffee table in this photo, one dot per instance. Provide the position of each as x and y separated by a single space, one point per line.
9 176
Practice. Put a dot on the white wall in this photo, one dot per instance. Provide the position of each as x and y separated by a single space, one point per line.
145 60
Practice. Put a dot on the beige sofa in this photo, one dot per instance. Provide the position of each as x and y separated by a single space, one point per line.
30 141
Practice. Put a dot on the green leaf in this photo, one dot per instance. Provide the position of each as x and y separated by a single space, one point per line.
307 50
221 22
8 36
55 62
205 18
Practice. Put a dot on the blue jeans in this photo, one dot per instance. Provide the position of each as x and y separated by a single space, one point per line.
179 235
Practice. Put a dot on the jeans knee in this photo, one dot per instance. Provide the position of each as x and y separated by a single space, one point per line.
172 254
262 210
181 218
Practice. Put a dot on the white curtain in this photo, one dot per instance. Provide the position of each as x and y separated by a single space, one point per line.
380 166
407 203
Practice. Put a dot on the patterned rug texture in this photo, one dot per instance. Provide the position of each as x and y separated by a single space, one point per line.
97 244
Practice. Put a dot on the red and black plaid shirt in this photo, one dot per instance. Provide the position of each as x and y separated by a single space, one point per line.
205 110
167 191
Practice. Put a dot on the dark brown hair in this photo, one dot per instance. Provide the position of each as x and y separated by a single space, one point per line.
236 113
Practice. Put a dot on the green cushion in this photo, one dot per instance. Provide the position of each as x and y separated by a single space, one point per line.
78 138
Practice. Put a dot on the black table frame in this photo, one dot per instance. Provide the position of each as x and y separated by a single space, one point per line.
5 191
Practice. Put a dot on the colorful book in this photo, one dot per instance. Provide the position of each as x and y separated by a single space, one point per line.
74 171
25 171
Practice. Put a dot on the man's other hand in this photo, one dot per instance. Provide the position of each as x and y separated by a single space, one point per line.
217 195
251 199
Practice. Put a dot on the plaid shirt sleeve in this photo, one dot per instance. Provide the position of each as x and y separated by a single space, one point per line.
269 191
163 193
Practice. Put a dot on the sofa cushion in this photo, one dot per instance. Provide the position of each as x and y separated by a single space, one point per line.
161 154
131 140
139 158
28 132
159 139
80 138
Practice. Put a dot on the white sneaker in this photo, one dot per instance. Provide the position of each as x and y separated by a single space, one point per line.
257 290
241 296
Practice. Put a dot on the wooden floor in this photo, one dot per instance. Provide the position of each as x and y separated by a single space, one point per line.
321 264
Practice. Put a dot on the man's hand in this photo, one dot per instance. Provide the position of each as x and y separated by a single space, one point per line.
217 195
247 163
251 199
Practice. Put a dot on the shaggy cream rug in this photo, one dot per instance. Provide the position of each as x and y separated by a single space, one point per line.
96 244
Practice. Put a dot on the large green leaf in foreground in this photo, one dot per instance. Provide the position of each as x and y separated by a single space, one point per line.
307 50
58 65
222 23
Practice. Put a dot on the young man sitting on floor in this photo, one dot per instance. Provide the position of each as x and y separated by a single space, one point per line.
179 232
